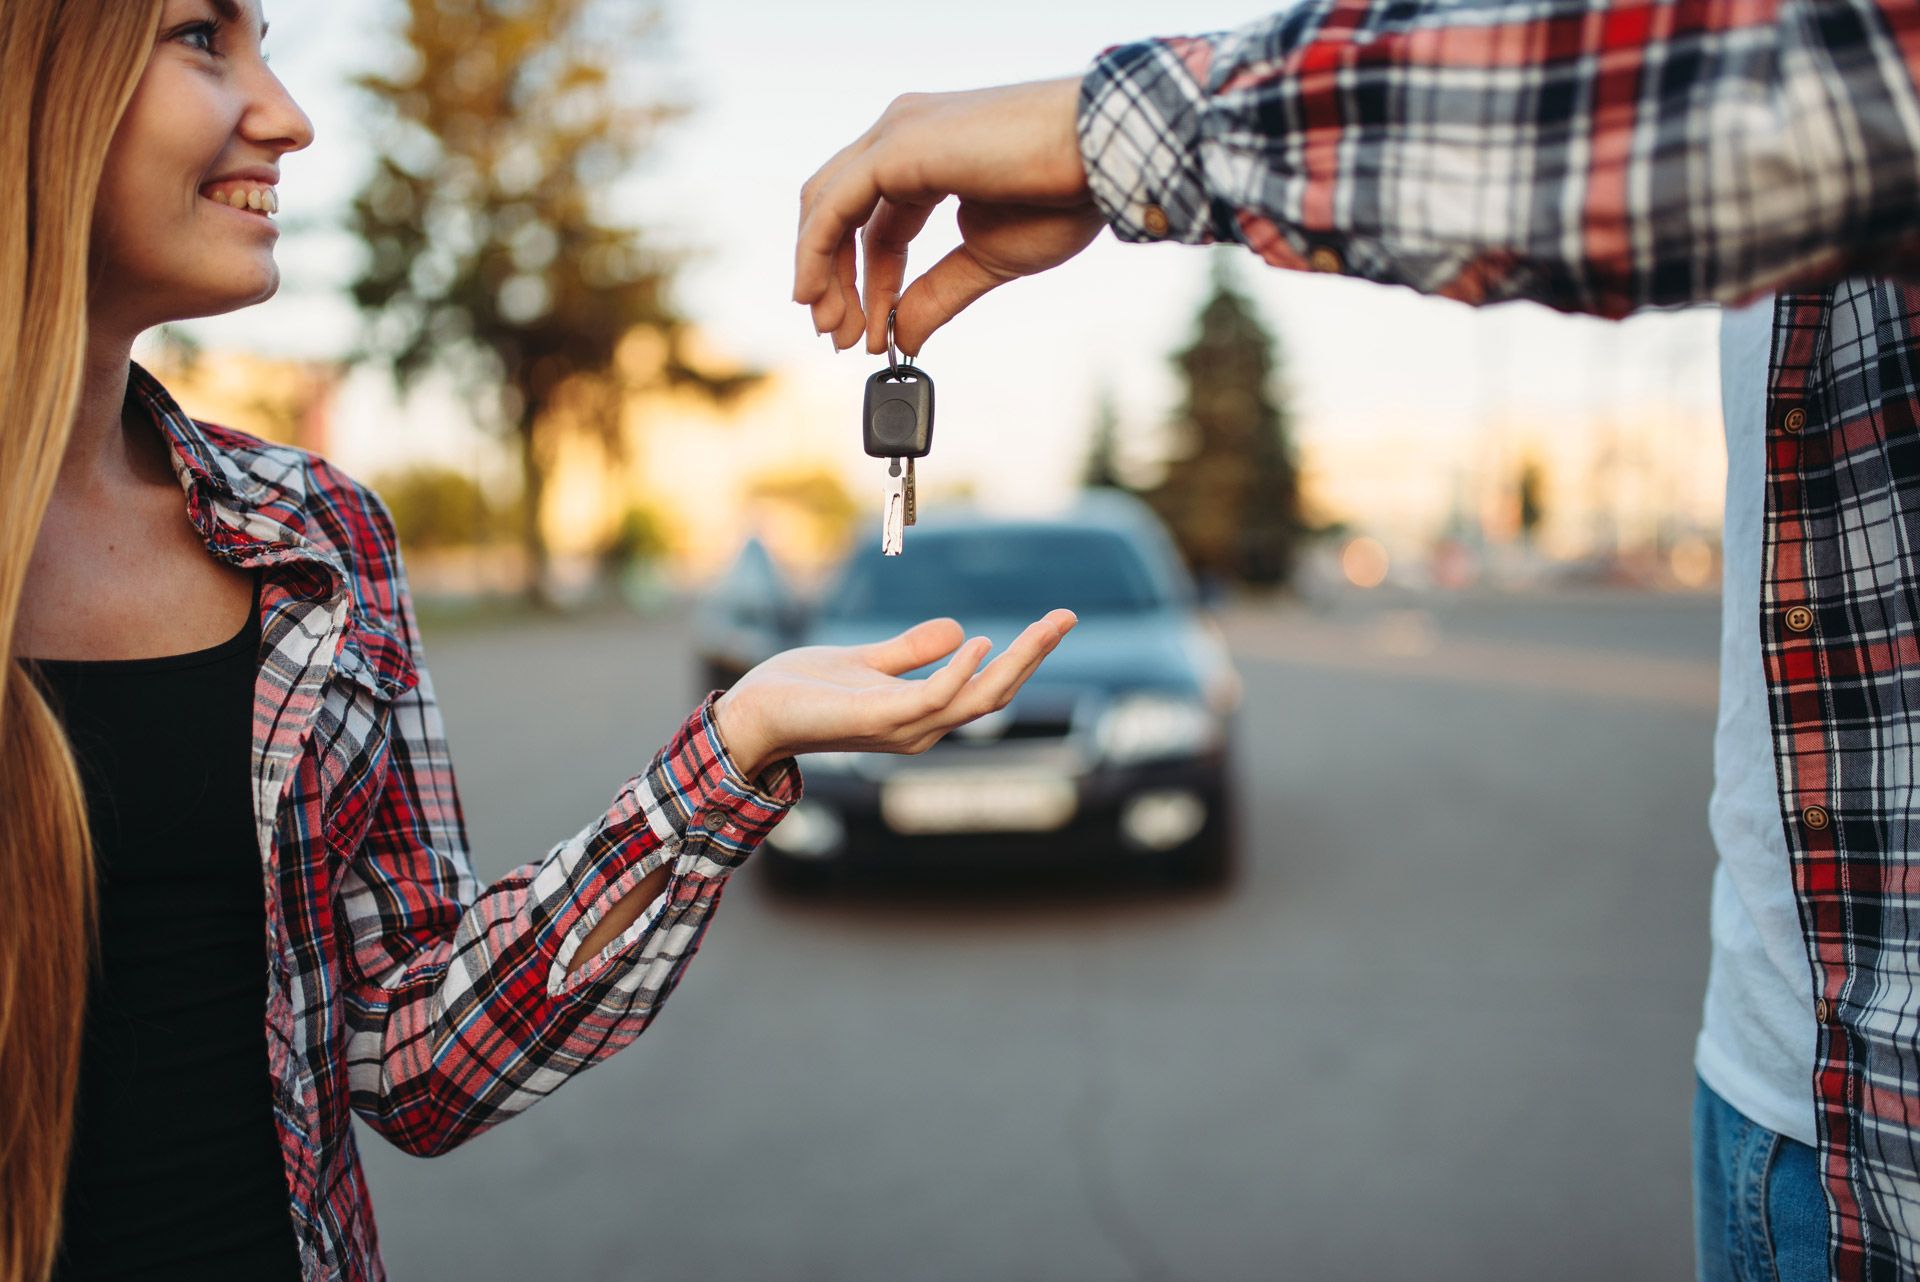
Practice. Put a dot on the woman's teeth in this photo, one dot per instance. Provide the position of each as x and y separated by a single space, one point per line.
263 199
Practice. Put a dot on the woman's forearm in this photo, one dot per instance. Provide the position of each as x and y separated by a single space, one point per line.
625 911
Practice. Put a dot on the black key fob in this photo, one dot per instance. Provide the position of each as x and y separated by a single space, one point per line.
897 421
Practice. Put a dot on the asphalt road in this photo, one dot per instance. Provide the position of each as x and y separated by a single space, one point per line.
1441 1026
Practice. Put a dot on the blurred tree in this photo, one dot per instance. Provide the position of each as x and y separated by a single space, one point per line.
818 494
640 536
488 255
1231 493
1102 469
1531 485
436 506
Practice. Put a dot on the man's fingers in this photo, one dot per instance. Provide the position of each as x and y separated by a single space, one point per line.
918 646
940 294
846 331
810 285
884 244
843 201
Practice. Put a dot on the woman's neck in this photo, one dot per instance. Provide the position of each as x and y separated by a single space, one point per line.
107 450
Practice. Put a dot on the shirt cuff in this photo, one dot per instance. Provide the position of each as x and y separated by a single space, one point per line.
1139 125
699 794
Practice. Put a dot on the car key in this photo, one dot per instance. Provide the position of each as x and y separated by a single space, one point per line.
897 425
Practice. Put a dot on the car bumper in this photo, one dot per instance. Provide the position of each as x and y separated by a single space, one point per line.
1136 812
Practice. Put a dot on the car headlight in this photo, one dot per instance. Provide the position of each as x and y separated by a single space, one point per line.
1144 727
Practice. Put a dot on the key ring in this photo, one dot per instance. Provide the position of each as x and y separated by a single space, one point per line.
893 357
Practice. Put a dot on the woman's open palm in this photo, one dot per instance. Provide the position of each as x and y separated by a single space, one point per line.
856 699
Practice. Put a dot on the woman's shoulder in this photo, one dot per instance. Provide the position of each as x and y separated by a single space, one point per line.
322 504
303 488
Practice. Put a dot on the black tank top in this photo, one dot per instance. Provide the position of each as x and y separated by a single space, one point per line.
176 1169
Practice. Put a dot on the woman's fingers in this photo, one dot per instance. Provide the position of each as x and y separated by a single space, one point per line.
1006 674
993 687
938 690
918 646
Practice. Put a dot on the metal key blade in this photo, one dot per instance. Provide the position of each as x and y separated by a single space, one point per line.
893 517
913 498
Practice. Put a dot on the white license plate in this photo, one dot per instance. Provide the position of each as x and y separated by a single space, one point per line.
958 802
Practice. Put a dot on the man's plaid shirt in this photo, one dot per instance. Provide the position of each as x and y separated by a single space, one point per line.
1601 157
398 986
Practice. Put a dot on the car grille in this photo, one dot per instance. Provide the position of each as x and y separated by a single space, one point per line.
1034 719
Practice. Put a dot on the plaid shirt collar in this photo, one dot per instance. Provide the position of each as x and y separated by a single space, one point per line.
195 460
259 516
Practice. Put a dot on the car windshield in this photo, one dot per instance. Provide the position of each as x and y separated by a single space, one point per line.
1022 572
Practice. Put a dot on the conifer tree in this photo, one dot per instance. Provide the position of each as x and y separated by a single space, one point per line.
1102 470
1231 493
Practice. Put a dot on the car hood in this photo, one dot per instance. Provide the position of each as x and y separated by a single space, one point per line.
1162 651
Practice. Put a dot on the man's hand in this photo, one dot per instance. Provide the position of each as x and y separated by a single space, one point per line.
852 698
1012 156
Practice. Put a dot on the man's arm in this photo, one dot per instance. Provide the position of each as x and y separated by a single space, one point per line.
1595 157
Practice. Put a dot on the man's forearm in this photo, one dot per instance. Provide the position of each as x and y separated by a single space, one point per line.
1592 158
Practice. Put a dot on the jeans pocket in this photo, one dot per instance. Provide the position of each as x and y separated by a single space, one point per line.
1796 1213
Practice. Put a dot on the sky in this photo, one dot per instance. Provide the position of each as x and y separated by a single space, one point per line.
775 89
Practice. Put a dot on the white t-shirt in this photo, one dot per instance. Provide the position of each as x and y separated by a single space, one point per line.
1757 1035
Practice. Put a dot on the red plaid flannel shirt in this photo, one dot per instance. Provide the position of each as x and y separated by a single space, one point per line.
398 986
1603 156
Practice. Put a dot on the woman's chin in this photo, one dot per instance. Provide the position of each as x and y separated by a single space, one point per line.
240 291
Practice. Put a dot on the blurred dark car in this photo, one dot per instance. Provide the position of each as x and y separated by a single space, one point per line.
1117 750
749 614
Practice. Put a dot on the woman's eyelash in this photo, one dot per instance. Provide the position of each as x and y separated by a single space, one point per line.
208 29
211 30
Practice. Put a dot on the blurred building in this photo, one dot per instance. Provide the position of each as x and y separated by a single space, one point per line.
291 401
1646 485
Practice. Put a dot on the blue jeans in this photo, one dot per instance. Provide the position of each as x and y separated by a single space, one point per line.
1759 1211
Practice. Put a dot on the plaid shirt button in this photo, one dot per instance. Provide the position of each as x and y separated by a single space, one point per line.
714 820
1799 618
1154 219
1793 420
1822 1011
1815 818
1325 259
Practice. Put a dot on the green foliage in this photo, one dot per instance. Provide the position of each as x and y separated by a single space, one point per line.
1232 495
1102 466
436 506
489 252
1531 485
640 536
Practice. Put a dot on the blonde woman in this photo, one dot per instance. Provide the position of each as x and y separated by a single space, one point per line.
237 900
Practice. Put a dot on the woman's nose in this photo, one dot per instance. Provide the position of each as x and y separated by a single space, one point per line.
277 119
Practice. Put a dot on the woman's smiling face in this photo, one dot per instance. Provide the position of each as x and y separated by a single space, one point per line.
183 225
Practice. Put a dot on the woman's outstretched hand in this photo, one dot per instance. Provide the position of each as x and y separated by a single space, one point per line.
1012 156
824 698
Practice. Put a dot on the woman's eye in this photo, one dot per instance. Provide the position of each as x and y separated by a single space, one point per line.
201 31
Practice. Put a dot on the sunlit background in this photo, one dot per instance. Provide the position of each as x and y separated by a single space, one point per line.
1448 702
1414 420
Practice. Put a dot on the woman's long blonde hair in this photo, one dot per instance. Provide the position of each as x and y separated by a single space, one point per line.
67 71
